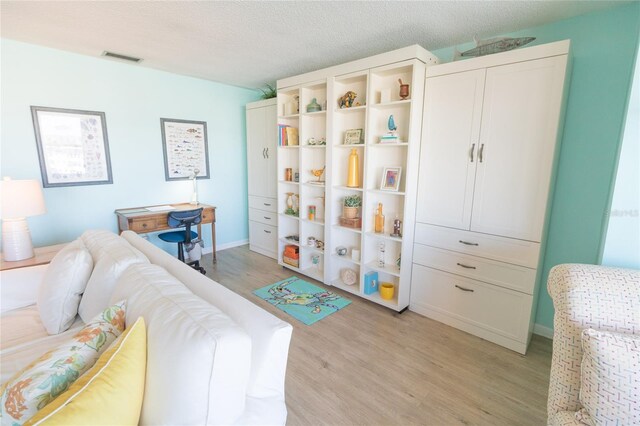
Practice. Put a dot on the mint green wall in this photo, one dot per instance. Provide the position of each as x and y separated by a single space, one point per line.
603 48
133 99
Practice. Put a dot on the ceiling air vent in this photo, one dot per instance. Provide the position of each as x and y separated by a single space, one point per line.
121 57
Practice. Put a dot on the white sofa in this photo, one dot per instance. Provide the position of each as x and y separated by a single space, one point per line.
213 356
585 297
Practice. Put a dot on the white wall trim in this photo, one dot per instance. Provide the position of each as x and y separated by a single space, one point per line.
220 247
543 331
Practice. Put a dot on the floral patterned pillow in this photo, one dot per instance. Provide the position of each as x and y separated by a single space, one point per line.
52 374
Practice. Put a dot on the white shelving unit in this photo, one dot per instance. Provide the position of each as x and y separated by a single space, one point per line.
368 78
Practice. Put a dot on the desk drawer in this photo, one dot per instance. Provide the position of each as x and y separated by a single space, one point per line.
208 216
457 300
499 273
518 252
146 225
262 216
263 203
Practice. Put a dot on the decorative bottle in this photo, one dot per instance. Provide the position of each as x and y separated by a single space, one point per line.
353 175
379 220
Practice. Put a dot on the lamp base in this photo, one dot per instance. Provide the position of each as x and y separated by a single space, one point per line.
16 240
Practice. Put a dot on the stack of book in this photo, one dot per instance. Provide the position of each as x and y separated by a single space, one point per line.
287 135
389 138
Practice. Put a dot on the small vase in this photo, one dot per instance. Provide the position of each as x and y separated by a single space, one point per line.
353 174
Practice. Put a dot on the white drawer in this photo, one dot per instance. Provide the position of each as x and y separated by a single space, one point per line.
263 237
518 252
263 203
262 216
479 308
499 273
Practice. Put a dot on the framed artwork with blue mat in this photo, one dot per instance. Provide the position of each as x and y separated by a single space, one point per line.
304 301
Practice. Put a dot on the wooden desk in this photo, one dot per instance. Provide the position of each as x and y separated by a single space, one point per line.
43 255
141 221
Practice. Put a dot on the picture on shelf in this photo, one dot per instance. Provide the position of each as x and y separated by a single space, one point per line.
391 179
353 137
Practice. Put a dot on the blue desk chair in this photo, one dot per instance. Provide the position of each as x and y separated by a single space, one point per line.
178 219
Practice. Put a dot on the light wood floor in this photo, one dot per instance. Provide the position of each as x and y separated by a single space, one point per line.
368 365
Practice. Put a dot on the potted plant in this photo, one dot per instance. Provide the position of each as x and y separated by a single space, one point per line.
351 204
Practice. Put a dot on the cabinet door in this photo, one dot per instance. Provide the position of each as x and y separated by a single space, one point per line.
256 151
521 111
271 143
451 128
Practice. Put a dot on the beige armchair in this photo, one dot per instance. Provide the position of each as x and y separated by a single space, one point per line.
585 296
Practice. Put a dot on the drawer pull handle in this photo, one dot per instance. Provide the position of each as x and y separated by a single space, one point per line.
467 243
466 266
266 204
268 232
144 225
268 218
465 289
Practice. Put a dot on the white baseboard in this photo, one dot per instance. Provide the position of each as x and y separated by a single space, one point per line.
220 247
543 331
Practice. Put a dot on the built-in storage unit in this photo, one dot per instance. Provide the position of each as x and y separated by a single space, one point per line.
489 142
261 165
366 137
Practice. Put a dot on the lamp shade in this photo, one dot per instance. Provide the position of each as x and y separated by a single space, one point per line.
21 198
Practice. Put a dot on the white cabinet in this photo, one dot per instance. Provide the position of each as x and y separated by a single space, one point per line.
261 166
488 147
490 131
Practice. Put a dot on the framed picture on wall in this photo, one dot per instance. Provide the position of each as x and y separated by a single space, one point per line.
73 147
391 179
186 149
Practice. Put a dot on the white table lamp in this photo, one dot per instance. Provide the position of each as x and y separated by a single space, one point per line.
19 199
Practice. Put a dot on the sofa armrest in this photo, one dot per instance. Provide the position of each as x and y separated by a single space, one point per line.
19 287
586 296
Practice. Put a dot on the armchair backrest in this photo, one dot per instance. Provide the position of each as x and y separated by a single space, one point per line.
586 296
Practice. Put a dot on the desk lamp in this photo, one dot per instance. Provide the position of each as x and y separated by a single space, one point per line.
19 200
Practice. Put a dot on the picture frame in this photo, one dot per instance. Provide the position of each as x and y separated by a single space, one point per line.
186 148
391 179
353 137
73 146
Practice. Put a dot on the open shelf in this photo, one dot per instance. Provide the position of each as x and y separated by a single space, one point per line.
353 289
347 188
380 191
345 259
387 269
383 236
392 104
346 228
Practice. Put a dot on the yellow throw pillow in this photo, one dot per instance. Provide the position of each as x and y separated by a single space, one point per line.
52 374
110 393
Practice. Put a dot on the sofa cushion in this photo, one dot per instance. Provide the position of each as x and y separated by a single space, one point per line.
610 378
110 393
50 375
62 287
198 359
270 336
111 256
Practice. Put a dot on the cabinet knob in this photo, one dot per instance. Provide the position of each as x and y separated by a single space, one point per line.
267 204
473 147
268 218
464 289
467 243
144 225
268 232
480 151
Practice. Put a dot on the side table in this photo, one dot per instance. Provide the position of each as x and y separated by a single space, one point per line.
43 255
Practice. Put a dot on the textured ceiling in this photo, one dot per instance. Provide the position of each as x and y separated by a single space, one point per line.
250 43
